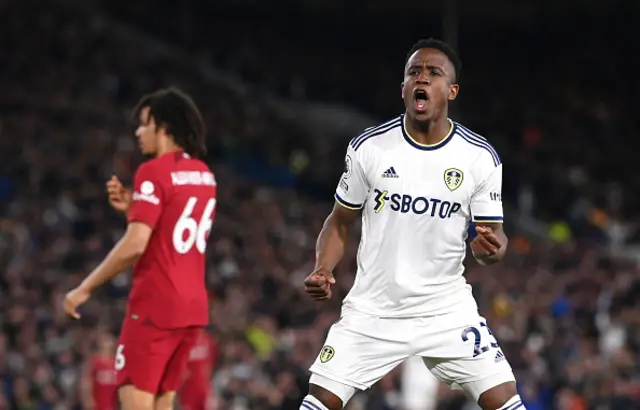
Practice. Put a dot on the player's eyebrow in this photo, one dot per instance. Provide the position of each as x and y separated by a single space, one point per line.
426 65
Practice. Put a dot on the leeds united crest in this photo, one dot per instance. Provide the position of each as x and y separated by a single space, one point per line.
453 178
326 354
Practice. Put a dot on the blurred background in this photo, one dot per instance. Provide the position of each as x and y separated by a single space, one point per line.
283 86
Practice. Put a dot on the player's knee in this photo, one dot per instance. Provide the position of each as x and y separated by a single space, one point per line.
332 394
514 403
320 398
165 401
134 399
501 397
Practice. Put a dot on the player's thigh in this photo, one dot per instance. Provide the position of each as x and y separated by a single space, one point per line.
184 340
143 353
475 376
360 350
165 401
131 398
474 361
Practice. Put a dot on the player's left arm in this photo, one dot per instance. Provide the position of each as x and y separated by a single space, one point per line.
490 245
493 243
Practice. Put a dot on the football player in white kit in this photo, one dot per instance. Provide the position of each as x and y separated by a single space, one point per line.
418 180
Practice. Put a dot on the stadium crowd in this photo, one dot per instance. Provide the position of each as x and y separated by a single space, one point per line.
564 311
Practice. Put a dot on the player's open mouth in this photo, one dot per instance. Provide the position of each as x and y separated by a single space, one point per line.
421 99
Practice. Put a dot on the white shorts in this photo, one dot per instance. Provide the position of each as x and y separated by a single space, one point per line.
458 349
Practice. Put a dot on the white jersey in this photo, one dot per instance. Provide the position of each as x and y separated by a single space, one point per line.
417 202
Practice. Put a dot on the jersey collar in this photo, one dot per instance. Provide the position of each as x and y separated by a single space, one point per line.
428 147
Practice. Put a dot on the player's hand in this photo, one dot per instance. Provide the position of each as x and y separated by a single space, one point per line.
486 244
74 299
119 196
318 284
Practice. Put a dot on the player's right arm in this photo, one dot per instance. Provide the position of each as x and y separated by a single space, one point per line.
350 196
333 237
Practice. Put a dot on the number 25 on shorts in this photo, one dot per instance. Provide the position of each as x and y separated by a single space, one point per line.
478 347
120 360
196 232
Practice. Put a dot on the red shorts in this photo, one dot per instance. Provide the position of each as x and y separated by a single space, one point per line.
194 399
153 359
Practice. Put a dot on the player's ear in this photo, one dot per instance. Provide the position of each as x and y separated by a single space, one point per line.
402 89
161 129
453 92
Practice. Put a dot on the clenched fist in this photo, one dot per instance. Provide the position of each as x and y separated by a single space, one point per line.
486 244
318 284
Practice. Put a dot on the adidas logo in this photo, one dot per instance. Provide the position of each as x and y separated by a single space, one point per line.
499 356
390 173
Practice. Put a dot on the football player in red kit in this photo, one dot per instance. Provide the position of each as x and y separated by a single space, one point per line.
196 393
98 385
170 213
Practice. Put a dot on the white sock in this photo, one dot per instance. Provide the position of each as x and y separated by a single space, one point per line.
514 403
311 403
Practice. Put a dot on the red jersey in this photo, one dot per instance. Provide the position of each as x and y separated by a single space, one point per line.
176 196
103 383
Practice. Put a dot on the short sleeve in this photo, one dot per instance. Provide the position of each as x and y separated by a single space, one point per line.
486 202
148 197
352 189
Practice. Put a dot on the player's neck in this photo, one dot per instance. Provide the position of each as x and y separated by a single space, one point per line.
427 132
167 148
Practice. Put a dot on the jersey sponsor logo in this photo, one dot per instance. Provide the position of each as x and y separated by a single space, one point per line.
147 188
347 167
495 196
146 198
390 173
419 205
453 178
146 193
193 178
326 353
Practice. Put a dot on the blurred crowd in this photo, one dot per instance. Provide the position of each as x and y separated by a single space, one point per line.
563 311
550 89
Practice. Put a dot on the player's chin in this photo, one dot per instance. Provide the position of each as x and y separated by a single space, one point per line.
146 151
420 115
